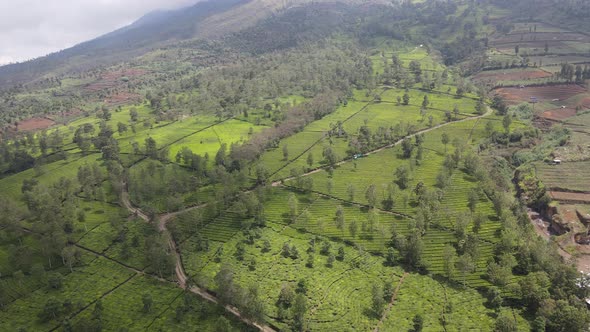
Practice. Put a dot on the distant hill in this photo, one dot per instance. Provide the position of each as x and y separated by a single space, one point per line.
148 32
210 19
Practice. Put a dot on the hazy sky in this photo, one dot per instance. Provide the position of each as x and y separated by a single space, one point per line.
32 28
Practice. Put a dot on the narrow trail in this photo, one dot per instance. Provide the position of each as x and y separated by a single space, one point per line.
390 305
396 143
179 269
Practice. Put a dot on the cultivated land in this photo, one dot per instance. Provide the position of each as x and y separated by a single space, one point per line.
335 185
530 60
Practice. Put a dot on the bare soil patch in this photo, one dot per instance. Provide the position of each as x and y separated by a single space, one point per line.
113 78
35 124
559 114
496 76
542 93
569 197
122 98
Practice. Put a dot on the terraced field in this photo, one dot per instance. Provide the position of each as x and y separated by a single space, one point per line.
569 176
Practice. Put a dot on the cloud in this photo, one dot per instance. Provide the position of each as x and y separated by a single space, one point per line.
33 28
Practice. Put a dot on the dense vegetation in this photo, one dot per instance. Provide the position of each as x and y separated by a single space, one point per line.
332 167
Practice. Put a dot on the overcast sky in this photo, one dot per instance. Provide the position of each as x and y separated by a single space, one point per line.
32 28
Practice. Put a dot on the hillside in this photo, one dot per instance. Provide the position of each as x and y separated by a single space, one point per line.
302 166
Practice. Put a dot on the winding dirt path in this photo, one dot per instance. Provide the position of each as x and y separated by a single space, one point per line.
390 305
179 269
181 276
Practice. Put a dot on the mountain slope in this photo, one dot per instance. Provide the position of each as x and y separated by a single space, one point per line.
149 32
204 20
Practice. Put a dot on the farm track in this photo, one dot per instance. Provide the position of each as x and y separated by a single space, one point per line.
181 276
183 279
391 302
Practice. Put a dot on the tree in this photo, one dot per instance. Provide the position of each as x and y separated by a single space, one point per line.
353 228
293 207
330 186
286 295
445 140
402 175
341 253
567 317
226 288
534 289
350 191
251 305
121 128
390 257
546 47
406 99
51 310
310 260
413 249
330 156
133 115
310 159
516 49
407 148
55 280
494 297
151 149
472 200
285 152
70 256
505 323
331 259
299 311
506 122
147 301
371 195
449 260
417 323
339 217
378 303
425 102
223 325
465 265
266 246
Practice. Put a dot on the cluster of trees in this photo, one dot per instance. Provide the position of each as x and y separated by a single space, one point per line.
248 300
573 73
292 304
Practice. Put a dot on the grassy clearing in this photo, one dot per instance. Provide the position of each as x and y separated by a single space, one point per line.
209 140
96 231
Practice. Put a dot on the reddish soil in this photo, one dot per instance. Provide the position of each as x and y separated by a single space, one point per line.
35 124
122 98
542 93
111 79
585 102
570 197
559 114
495 76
